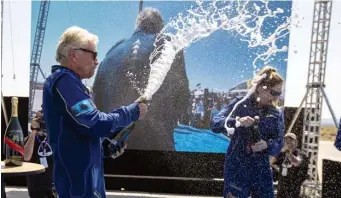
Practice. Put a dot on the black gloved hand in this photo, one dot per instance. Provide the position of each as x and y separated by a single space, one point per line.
119 151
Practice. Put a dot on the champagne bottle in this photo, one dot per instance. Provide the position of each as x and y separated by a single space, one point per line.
14 141
254 135
115 142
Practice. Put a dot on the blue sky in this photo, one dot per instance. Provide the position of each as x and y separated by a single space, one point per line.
217 62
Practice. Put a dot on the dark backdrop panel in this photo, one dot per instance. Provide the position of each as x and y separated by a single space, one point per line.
331 179
166 171
289 113
166 163
194 172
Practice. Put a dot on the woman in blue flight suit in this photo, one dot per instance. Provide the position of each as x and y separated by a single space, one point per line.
247 167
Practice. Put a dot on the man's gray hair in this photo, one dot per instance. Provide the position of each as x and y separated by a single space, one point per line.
73 37
150 20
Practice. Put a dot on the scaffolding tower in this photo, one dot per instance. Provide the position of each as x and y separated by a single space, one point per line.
315 89
36 51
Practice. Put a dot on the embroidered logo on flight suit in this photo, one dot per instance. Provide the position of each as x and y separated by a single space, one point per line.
83 107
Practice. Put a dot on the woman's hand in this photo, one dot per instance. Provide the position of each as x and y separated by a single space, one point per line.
246 121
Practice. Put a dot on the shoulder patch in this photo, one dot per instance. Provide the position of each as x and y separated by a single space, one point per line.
83 107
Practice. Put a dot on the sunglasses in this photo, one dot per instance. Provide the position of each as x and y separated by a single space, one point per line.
94 54
275 93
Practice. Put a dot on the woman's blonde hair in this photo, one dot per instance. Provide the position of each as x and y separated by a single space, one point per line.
73 37
272 77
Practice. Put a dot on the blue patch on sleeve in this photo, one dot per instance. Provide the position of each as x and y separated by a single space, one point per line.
83 107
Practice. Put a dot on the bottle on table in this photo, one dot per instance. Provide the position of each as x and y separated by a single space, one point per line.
13 139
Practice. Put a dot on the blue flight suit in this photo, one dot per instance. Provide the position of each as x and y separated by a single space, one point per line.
338 138
75 128
247 172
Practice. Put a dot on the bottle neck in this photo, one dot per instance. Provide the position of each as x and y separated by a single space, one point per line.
14 109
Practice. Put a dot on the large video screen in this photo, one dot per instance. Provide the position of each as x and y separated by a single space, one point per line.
217 48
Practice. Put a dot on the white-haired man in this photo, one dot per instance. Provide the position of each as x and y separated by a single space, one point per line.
74 125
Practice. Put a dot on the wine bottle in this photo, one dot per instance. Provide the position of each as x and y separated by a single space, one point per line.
14 141
115 142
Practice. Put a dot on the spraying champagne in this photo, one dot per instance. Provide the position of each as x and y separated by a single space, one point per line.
14 141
